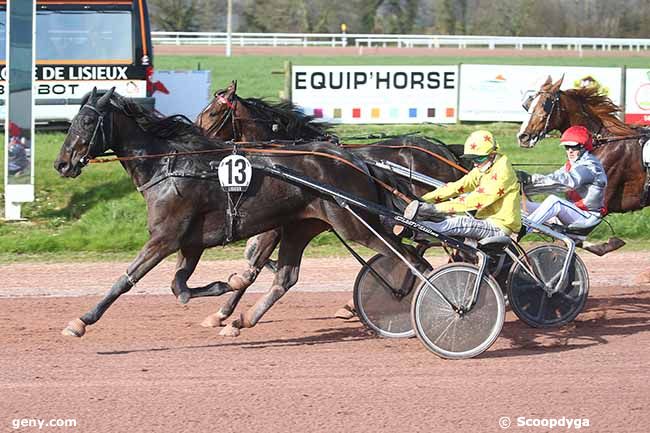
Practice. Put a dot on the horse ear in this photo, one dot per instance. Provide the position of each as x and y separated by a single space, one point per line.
106 99
85 99
548 81
232 88
93 95
557 85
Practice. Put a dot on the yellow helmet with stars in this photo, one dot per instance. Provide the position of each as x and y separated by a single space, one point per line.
480 143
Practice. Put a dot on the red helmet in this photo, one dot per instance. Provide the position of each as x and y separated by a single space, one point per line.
577 135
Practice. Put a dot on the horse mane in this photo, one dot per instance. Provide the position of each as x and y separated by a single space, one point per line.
179 131
601 107
288 116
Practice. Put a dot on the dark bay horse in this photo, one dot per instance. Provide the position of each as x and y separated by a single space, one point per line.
170 161
231 117
616 144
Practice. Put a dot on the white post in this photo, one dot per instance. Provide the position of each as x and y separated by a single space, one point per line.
229 30
19 120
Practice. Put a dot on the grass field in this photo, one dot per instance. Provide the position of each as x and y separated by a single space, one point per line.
100 215
255 77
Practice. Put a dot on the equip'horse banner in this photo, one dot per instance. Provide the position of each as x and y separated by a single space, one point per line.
377 94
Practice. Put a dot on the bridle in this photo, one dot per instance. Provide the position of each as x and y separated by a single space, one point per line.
550 104
94 149
216 127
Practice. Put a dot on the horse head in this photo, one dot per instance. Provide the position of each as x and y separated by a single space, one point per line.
544 113
86 138
213 119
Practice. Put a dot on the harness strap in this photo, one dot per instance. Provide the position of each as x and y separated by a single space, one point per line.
166 175
205 175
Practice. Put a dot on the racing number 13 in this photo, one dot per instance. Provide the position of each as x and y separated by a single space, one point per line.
238 165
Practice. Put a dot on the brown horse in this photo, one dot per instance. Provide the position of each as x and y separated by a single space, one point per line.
616 144
231 117
171 162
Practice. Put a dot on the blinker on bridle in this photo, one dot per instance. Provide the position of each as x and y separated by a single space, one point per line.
549 107
228 115
92 144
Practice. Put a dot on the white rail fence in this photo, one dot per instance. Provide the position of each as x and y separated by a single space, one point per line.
401 41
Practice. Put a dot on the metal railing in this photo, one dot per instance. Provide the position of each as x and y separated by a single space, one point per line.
401 41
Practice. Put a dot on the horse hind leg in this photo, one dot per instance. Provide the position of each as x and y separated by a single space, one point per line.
258 250
292 245
186 263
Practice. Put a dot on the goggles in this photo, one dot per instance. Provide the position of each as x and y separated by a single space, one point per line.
479 159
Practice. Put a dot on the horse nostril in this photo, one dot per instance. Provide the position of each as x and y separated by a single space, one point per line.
61 167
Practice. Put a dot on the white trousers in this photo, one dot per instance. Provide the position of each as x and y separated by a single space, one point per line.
565 211
466 227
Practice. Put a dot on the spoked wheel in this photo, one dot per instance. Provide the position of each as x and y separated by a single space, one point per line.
450 334
377 306
530 301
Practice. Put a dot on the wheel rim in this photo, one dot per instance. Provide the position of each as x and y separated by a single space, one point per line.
530 301
377 306
441 329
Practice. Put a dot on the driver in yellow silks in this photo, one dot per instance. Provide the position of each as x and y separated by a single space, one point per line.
490 191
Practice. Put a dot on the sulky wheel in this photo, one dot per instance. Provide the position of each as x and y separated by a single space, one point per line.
377 306
446 332
530 301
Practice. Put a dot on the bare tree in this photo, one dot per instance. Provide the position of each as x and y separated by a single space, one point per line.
600 18
175 15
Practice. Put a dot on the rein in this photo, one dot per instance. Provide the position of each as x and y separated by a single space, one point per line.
421 149
599 141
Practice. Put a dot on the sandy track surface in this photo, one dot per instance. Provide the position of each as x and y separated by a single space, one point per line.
148 366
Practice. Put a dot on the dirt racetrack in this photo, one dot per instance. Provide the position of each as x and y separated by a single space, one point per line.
148 366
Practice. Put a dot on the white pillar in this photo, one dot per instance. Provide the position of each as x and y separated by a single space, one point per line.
229 30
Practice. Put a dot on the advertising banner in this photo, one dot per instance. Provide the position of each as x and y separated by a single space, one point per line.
637 96
71 83
495 92
377 94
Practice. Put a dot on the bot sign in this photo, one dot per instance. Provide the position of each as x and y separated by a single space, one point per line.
235 173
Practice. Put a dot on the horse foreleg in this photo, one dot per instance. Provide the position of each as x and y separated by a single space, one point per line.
292 245
155 250
188 258
258 250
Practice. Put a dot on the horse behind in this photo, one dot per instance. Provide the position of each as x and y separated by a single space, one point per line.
231 117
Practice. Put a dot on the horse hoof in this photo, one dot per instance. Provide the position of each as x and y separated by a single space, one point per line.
212 321
229 331
344 313
184 297
76 328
